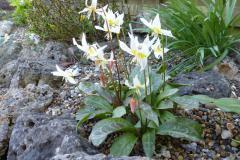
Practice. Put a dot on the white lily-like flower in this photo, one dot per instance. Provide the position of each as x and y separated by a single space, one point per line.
140 51
112 22
136 85
68 74
102 62
91 51
156 28
92 9
158 49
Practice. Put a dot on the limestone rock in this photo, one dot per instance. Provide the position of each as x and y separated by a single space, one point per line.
37 136
208 83
5 27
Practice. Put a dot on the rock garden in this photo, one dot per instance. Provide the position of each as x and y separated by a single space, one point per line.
87 80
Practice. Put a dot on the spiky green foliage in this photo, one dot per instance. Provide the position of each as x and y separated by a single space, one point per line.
201 31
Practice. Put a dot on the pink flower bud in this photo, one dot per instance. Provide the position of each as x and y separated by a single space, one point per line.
133 104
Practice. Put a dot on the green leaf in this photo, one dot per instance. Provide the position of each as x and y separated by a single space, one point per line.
228 104
149 113
167 93
98 102
166 104
119 112
203 99
182 128
148 142
186 102
166 116
87 87
123 145
87 113
107 126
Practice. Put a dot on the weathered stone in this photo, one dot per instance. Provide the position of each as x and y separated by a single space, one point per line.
5 27
84 156
37 136
35 72
7 72
9 51
4 135
228 68
208 83
18 100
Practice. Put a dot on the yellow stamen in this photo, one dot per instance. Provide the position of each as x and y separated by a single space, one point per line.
139 55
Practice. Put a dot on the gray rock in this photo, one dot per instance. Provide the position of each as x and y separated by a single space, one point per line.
37 136
5 27
9 51
84 156
35 72
208 83
17 100
7 72
4 136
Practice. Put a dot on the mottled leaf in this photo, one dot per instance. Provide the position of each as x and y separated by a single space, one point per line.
165 104
186 102
123 145
98 102
119 112
166 116
87 87
228 104
148 142
182 128
149 113
107 126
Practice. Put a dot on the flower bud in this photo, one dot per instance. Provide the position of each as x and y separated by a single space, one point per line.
133 104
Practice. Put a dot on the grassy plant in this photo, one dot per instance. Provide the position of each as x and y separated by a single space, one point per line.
201 32
21 8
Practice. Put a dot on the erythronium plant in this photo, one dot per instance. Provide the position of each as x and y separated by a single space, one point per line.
137 104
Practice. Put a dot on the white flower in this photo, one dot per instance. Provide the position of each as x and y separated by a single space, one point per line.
102 62
137 86
92 9
112 22
6 38
155 26
158 49
140 51
68 74
91 51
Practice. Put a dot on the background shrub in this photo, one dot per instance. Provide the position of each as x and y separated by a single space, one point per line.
58 19
20 13
201 33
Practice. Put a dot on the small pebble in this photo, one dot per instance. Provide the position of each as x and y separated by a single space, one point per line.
226 134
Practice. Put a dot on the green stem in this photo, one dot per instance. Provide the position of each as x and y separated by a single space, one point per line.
150 84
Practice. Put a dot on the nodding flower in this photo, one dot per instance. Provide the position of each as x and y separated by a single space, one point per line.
112 22
68 74
156 28
93 51
140 51
92 9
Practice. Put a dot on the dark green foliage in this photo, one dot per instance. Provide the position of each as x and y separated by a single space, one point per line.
201 32
58 19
